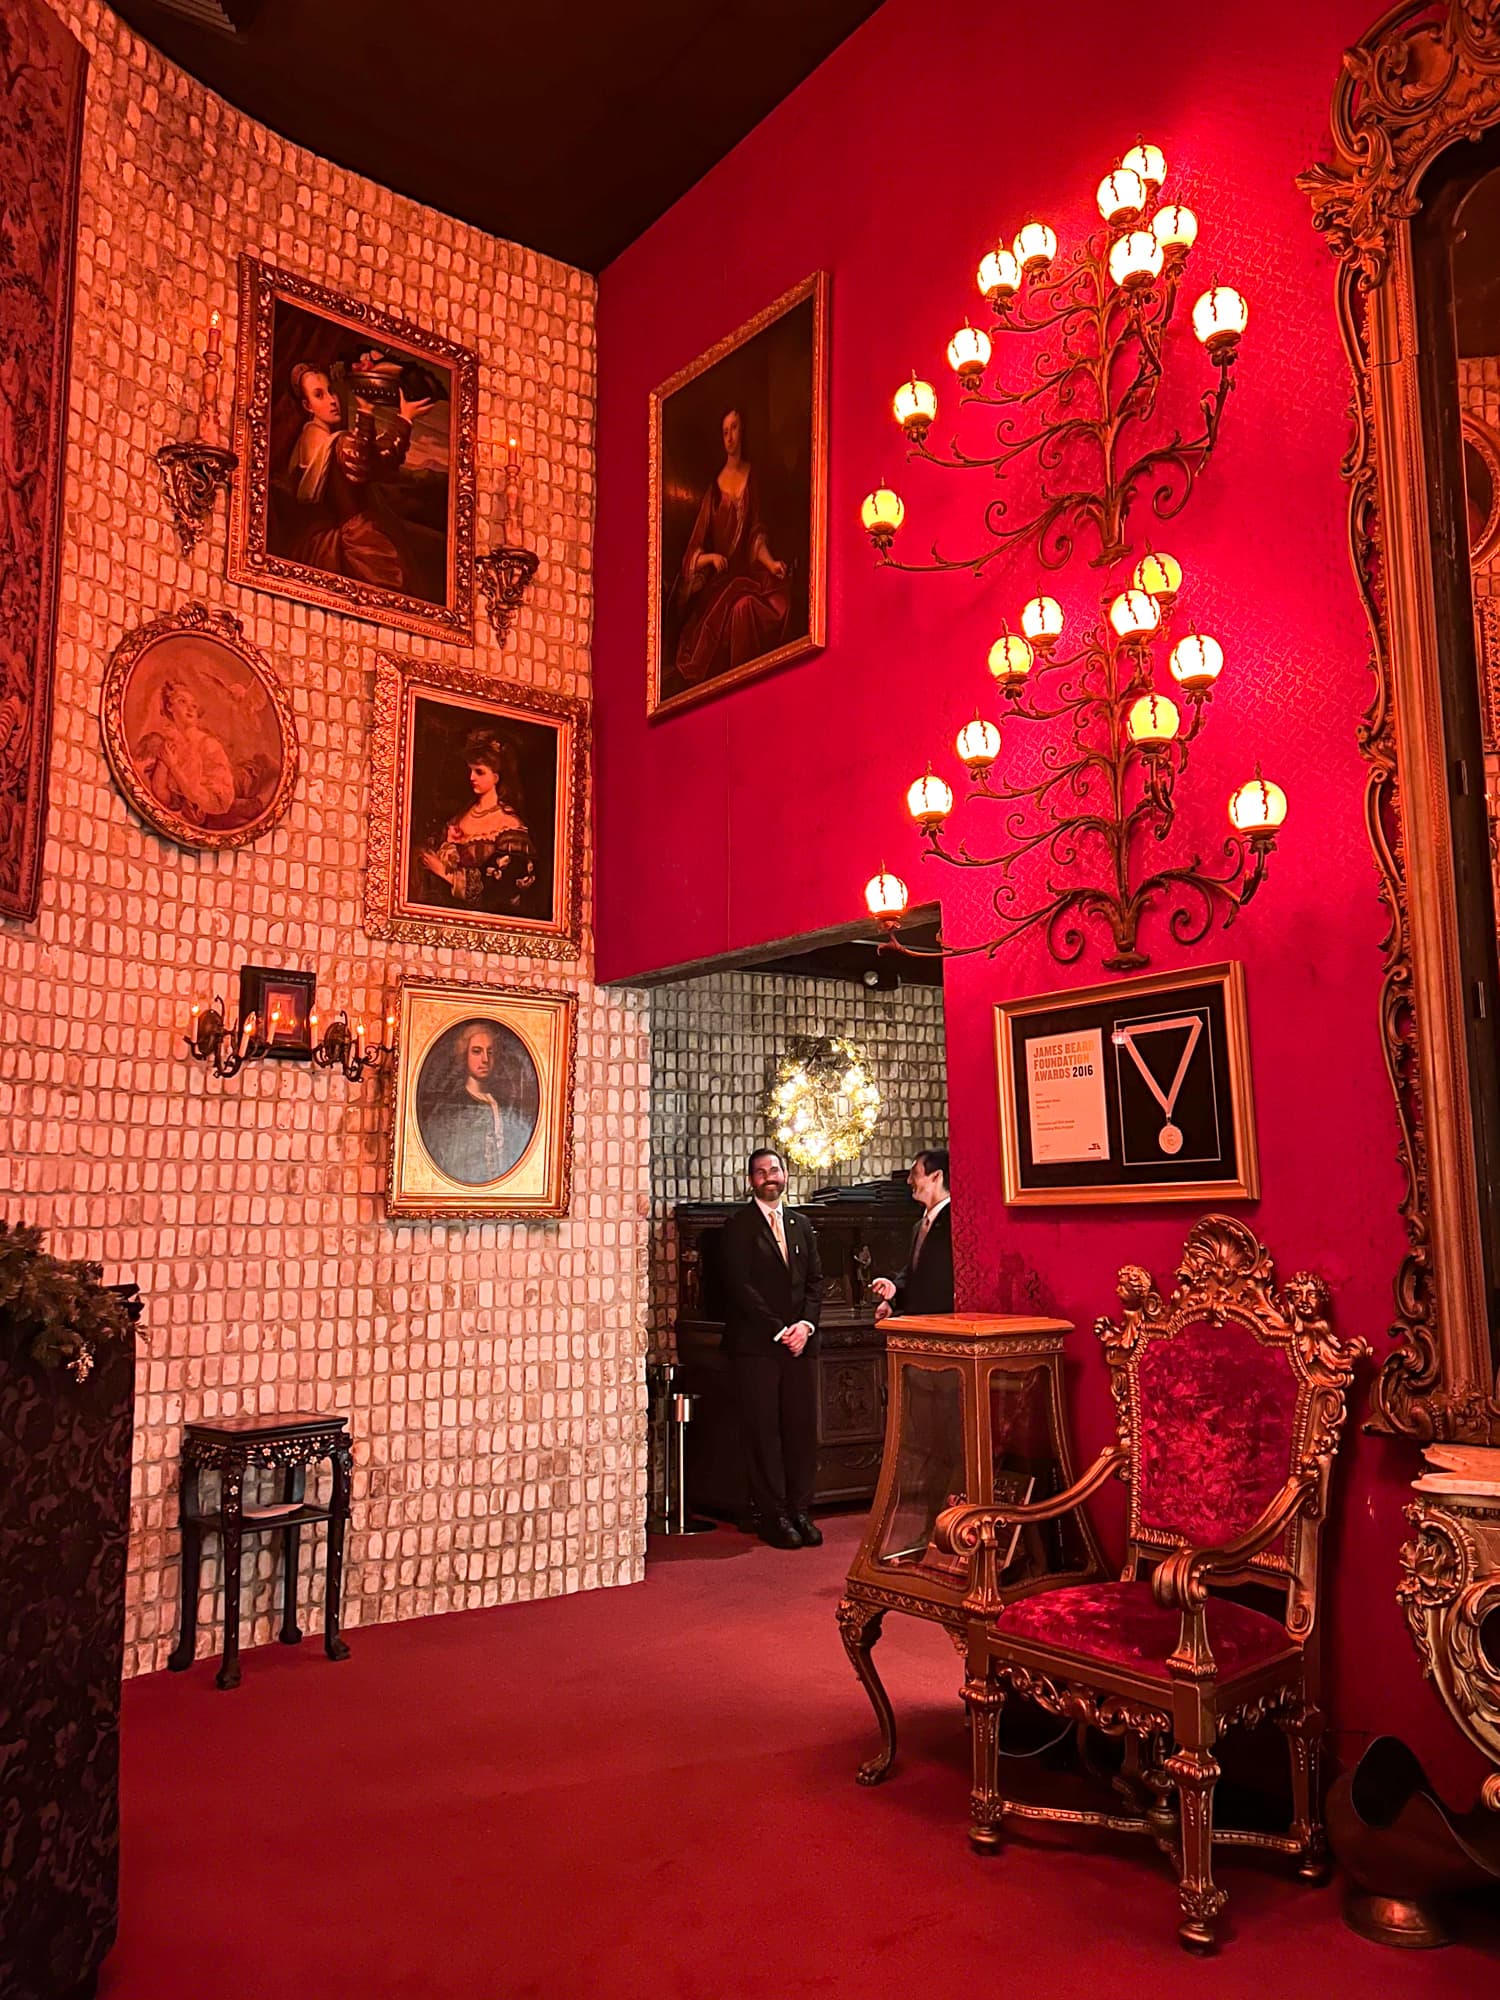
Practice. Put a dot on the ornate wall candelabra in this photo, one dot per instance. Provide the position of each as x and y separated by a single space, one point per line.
1082 421
193 473
505 572
266 1030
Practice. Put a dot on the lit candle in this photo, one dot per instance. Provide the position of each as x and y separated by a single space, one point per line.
208 404
247 1034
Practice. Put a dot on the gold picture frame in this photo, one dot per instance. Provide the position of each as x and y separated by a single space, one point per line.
448 865
198 730
765 604
356 440
1372 201
483 1116
1139 1090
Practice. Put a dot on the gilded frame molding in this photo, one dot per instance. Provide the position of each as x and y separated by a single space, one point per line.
1229 976
818 288
548 1024
221 628
249 561
397 682
1427 75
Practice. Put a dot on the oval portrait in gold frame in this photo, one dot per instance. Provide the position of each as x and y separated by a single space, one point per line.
198 731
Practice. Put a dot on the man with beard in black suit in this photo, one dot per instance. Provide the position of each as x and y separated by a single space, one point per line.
926 1285
773 1293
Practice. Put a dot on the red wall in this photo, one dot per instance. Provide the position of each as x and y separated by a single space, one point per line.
760 815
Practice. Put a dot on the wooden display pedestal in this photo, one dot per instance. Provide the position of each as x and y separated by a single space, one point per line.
975 1413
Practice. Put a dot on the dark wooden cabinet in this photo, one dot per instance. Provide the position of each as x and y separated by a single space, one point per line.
864 1232
64 1520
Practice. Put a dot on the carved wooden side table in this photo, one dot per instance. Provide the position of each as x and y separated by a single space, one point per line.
289 1443
975 1407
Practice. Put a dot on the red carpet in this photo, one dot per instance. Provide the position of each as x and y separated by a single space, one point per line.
647 1794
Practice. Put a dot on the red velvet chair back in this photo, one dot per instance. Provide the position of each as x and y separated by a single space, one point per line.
1225 1392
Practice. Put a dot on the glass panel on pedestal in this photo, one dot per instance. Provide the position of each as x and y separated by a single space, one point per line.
930 1465
1027 1469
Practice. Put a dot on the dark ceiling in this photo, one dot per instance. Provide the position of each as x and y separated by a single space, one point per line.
569 128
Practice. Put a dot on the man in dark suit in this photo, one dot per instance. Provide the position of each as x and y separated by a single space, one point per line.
926 1285
773 1293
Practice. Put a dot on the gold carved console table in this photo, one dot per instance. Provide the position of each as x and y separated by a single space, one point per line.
975 1410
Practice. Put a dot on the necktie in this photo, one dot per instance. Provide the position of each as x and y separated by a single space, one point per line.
916 1255
778 1232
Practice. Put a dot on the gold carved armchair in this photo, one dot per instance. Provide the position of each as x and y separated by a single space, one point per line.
1231 1399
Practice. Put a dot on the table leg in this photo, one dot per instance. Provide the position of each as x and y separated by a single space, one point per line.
293 1491
859 1627
343 1463
192 1545
231 1490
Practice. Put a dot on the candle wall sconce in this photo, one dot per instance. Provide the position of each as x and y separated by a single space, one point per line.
505 573
345 1049
276 1020
195 472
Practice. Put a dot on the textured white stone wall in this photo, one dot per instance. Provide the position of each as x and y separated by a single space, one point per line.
491 1372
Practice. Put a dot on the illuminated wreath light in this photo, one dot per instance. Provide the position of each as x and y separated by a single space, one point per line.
823 1106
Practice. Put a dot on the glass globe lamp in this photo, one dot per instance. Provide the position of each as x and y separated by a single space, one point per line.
1135 260
1160 576
1134 614
1121 196
969 353
1153 722
1258 810
1035 246
1219 318
915 405
978 744
1176 230
1196 662
885 898
882 513
1148 162
999 276
1011 660
1042 622
929 801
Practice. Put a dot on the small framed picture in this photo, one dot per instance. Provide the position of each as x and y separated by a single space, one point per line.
477 799
282 1003
739 503
483 1122
356 437
1136 1091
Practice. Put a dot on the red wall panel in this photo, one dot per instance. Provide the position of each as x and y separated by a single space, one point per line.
760 815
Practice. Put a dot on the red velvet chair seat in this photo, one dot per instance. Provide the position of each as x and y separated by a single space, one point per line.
1123 1624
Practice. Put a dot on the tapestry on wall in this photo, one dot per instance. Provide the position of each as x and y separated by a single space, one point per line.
42 72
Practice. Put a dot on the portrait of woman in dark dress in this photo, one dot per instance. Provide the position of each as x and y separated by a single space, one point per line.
481 856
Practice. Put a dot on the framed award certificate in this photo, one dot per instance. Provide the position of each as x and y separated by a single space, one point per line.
1136 1091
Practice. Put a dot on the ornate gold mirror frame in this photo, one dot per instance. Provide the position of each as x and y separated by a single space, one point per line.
1425 77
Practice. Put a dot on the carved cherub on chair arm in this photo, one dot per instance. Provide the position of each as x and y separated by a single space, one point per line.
974 1531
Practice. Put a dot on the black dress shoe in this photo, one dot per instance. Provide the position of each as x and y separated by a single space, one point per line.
810 1533
780 1533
